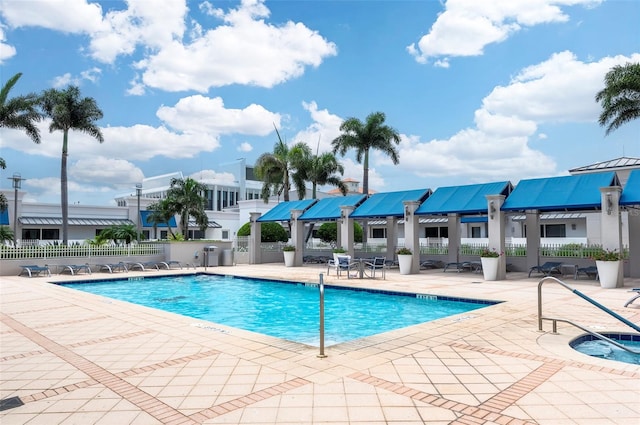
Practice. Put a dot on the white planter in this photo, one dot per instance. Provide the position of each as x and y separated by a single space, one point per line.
289 257
608 273
404 262
490 267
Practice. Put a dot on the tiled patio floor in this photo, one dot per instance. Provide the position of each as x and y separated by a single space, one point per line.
75 358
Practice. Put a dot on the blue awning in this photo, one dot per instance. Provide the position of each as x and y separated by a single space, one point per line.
559 193
4 217
631 192
329 208
469 199
282 211
389 204
144 216
473 219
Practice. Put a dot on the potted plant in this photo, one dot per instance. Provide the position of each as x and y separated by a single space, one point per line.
289 252
608 264
404 260
490 259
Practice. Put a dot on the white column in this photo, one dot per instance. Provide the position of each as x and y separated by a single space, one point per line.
346 229
532 223
297 236
392 237
255 238
453 224
411 237
611 225
496 231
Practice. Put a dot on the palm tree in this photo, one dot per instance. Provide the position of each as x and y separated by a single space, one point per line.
18 113
372 134
620 99
319 170
185 197
160 213
68 111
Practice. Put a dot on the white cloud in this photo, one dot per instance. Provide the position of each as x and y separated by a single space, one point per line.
208 115
466 27
112 173
325 128
212 176
245 147
221 56
6 50
561 88
70 16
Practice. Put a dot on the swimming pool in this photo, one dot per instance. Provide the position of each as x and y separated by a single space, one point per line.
592 346
286 310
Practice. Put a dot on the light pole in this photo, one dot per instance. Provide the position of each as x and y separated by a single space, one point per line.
138 193
16 183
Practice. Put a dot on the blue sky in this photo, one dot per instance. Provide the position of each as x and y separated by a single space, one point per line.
480 91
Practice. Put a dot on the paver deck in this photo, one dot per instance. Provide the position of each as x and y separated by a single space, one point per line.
68 357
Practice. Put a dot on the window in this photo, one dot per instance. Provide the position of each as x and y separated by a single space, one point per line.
164 234
196 234
431 232
225 234
379 232
553 231
30 233
50 234
475 232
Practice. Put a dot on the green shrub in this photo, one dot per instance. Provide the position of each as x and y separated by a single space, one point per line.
270 232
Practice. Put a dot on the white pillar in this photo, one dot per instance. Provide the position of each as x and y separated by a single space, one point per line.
392 237
346 229
411 237
611 225
453 224
297 236
532 223
496 231
255 239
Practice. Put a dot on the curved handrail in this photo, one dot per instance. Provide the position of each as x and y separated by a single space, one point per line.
590 300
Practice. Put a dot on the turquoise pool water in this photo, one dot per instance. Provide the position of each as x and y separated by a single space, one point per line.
594 347
282 309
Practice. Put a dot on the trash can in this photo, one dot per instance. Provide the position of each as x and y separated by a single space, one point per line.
227 257
210 257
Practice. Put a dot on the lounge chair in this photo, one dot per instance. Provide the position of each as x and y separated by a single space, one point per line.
143 266
463 266
35 270
378 264
431 264
115 267
635 296
74 269
591 271
548 268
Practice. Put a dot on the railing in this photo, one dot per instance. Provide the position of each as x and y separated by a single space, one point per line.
61 251
590 300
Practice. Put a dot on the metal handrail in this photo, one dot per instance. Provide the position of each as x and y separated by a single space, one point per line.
590 300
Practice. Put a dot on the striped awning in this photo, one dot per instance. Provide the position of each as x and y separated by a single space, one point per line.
57 221
556 216
211 225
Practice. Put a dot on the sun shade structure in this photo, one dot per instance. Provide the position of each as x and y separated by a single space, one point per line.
631 193
469 199
579 192
389 204
144 218
328 209
282 211
57 221
4 217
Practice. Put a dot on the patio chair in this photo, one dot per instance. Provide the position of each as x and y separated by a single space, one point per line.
378 263
114 267
143 266
431 264
460 266
548 268
74 269
344 264
591 271
35 270
635 296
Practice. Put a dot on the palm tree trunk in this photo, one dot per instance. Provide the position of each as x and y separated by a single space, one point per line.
64 194
365 192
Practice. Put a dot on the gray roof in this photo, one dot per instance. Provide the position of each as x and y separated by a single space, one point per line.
57 221
611 165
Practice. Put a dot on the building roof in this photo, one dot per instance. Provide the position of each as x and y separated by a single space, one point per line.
57 221
631 192
610 165
469 199
329 208
566 193
389 204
